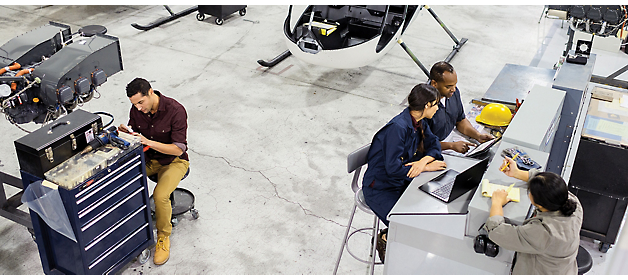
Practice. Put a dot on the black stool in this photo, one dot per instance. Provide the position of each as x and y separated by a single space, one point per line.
584 260
181 200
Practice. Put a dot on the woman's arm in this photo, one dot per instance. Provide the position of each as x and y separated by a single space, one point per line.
393 147
431 144
530 238
510 168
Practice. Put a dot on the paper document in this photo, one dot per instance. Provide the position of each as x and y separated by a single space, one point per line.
623 101
489 188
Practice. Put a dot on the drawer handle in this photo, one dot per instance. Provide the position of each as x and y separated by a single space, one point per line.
102 215
117 246
107 183
86 211
110 230
104 178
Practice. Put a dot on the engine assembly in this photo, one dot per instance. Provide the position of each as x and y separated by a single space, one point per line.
49 71
601 20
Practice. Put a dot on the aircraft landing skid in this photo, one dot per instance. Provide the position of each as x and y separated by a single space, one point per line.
275 60
163 20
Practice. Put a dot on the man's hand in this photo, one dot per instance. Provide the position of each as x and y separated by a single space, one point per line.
461 146
485 137
143 139
435 166
123 128
500 197
416 168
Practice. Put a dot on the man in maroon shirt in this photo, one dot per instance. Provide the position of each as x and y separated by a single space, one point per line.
161 122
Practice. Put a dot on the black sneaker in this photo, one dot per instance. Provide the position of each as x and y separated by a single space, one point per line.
381 243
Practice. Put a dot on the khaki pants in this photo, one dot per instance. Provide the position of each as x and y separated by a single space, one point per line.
169 177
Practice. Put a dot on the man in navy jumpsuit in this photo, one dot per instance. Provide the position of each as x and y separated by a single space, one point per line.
450 112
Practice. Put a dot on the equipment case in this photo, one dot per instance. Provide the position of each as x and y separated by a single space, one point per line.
52 144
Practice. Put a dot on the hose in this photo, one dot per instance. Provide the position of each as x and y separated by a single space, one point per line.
106 114
15 66
22 72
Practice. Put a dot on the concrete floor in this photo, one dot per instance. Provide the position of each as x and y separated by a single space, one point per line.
267 147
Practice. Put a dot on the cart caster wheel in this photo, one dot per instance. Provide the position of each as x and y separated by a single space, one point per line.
194 213
219 21
144 256
243 12
604 247
200 17
174 221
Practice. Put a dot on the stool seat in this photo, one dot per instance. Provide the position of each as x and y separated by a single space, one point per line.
361 203
584 260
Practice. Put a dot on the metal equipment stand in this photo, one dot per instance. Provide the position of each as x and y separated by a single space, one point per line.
9 206
453 52
610 80
163 20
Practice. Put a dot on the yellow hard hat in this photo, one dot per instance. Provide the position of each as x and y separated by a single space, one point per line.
494 114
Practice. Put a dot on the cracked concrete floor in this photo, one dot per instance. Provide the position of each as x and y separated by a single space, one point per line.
267 148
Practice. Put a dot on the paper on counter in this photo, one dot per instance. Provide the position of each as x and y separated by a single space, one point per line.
488 189
623 101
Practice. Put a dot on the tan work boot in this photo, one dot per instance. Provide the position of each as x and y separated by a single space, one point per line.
162 250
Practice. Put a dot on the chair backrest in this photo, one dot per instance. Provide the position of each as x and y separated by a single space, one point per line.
355 161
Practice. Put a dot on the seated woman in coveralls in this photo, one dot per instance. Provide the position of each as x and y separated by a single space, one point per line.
400 151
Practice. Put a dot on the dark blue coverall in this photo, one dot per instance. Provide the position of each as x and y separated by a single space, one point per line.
393 146
446 118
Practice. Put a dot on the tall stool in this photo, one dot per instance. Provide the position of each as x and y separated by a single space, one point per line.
355 161
584 260
181 201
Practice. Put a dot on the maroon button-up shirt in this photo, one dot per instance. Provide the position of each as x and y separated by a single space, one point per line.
168 125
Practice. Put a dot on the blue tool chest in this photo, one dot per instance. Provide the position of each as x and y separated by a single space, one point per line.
109 215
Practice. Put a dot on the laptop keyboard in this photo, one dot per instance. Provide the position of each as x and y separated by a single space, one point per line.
444 191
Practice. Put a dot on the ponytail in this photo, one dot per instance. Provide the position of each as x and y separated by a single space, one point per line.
568 207
550 191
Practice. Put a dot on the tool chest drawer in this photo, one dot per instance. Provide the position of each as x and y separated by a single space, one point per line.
111 236
107 182
111 214
105 263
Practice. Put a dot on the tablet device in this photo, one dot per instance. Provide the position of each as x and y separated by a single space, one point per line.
482 148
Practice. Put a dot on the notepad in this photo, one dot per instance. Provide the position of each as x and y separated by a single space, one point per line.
488 189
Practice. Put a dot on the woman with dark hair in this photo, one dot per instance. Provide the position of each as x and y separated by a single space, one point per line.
400 151
547 243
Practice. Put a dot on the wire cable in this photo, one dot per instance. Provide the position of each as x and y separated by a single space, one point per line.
106 114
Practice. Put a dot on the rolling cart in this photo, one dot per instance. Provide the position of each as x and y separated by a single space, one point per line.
102 194
219 11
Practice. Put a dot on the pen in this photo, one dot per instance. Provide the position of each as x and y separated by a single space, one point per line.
508 163
509 188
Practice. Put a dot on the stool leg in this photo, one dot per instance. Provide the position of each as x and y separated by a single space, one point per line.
374 244
344 239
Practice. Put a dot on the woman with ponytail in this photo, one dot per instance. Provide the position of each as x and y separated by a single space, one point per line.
400 151
547 243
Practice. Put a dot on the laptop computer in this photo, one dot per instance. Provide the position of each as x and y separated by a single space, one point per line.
452 184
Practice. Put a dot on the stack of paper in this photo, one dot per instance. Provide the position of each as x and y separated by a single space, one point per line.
488 189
